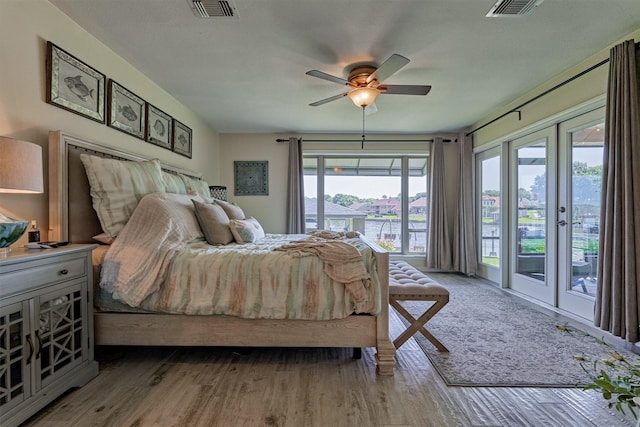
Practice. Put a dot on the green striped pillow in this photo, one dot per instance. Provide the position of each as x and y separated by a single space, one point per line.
118 185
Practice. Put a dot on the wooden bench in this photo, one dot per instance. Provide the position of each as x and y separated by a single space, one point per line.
406 283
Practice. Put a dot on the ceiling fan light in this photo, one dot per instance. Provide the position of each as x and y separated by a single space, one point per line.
363 96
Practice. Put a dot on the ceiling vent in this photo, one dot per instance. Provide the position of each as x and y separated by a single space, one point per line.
513 8
213 9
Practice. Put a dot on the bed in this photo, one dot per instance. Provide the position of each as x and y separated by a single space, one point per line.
72 218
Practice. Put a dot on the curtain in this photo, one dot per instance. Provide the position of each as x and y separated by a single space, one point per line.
617 297
438 243
295 188
465 258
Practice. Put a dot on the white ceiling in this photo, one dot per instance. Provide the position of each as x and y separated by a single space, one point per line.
248 74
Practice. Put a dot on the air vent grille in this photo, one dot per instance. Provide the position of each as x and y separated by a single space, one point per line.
513 8
213 8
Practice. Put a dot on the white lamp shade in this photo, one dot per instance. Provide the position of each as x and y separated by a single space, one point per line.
20 166
363 96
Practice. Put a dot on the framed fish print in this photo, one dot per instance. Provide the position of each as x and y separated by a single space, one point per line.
181 139
159 127
74 85
126 111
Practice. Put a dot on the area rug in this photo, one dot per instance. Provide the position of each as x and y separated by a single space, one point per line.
498 340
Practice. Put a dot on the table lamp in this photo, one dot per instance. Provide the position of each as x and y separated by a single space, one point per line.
20 172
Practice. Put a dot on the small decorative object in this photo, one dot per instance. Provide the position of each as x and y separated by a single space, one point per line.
181 139
73 85
218 192
34 233
159 127
251 178
20 172
127 111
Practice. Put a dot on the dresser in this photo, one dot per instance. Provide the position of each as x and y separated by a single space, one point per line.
46 327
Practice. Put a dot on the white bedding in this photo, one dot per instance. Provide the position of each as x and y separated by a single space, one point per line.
160 262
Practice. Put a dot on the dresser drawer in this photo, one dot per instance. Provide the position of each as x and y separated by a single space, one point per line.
33 275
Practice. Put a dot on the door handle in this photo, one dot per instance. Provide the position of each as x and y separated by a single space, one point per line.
562 222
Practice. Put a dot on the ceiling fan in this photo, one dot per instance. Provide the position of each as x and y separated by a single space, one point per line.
366 83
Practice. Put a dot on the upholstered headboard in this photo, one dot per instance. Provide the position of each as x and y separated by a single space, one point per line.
71 214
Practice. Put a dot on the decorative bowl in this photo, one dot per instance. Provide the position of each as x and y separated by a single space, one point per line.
11 230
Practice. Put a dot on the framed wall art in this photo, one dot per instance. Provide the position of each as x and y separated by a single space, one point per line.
181 139
159 127
74 85
127 111
251 178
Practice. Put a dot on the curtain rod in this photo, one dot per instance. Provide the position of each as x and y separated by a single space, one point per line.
368 140
546 92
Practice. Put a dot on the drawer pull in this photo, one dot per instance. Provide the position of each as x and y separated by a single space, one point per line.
64 272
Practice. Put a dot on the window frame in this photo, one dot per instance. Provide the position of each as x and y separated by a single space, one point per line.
404 189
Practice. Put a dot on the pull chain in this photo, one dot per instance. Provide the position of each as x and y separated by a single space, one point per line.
362 147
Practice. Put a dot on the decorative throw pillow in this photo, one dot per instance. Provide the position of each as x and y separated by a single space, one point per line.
196 186
213 222
246 230
117 187
173 183
232 210
103 238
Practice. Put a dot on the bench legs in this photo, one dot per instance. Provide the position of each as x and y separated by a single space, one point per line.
418 324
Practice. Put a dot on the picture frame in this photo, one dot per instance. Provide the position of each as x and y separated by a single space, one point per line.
159 128
127 111
73 85
251 178
182 139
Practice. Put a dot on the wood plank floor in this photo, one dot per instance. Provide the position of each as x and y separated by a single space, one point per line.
303 387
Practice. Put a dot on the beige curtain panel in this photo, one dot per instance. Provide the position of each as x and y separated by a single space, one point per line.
465 256
617 298
438 242
295 189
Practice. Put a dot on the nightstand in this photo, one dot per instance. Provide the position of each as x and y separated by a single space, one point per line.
46 327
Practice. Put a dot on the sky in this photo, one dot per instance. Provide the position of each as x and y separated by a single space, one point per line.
592 156
364 187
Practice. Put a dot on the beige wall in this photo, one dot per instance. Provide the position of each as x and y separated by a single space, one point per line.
25 27
271 210
575 93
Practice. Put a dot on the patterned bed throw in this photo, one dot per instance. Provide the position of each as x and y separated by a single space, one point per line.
252 280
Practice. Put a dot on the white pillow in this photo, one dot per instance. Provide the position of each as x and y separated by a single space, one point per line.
246 230
117 187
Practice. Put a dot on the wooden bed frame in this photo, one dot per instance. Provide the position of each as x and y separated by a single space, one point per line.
72 218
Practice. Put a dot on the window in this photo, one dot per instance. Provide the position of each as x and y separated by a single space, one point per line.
365 194
490 209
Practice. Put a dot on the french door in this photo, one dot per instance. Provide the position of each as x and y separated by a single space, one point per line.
580 148
532 198
554 213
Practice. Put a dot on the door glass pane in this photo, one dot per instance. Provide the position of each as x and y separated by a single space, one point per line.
490 228
417 209
531 210
586 154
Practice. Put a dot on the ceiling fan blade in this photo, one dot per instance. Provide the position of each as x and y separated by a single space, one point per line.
325 76
388 67
404 89
332 98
